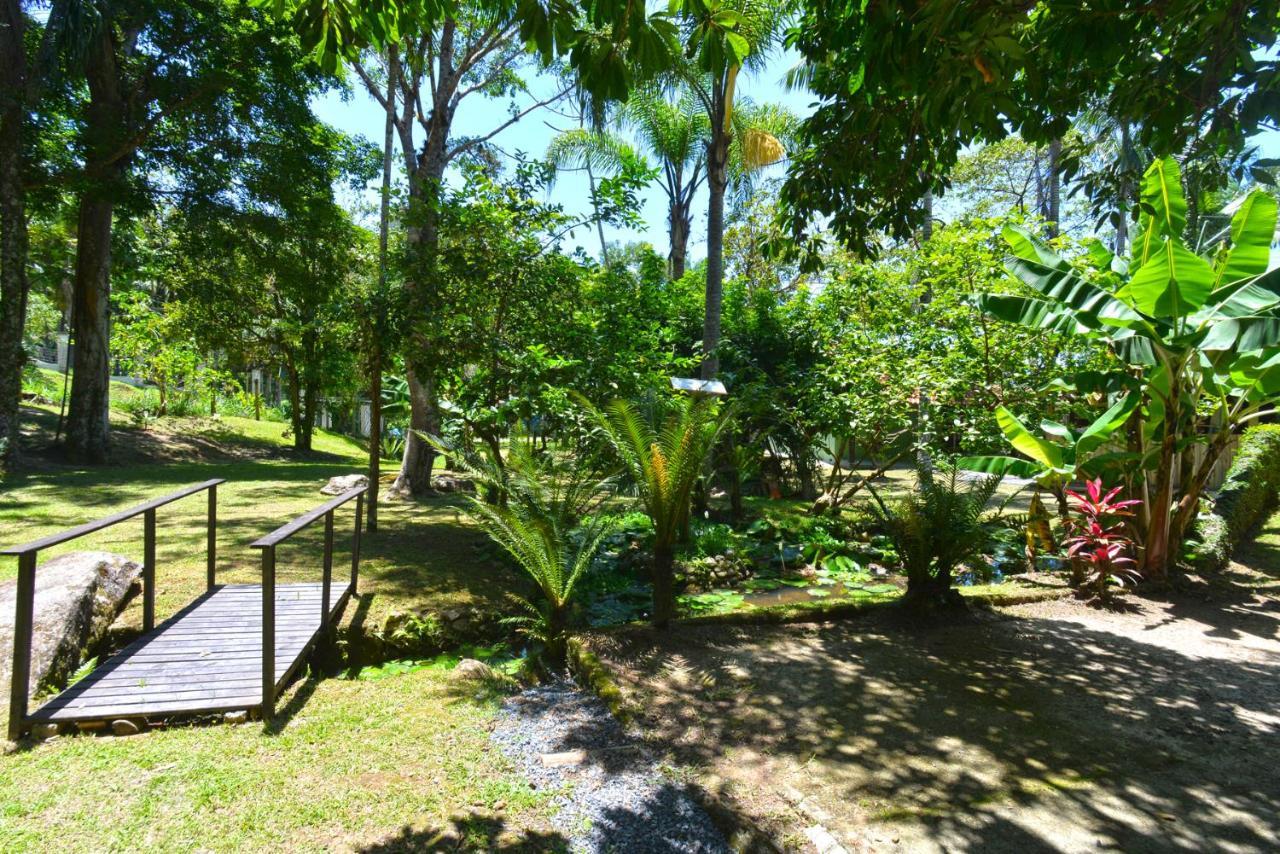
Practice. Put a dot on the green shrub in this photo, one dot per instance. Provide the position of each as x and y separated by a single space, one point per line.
1245 500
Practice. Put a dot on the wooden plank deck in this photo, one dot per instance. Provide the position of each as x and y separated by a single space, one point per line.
207 658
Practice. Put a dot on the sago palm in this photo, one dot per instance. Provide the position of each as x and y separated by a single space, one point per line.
663 460
543 517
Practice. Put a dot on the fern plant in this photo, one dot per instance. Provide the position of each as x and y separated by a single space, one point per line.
941 525
663 460
543 514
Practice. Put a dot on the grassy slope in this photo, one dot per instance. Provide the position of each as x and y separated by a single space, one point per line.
424 555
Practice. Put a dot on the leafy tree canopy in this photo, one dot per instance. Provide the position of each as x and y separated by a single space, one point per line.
903 87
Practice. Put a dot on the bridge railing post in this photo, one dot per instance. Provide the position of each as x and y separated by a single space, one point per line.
211 549
268 632
149 570
328 570
20 686
355 544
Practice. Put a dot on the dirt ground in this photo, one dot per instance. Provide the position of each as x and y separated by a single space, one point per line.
1045 727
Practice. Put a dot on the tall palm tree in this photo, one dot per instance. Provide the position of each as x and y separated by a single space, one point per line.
675 131
722 39
663 460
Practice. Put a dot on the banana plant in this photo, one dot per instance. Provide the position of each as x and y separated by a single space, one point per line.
1201 334
1061 456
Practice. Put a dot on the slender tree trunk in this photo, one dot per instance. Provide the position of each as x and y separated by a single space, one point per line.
604 247
295 407
927 231
1053 189
678 218
1122 222
13 226
376 355
717 182
1156 559
375 437
664 600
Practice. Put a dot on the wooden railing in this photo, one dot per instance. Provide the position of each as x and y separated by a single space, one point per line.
268 545
20 688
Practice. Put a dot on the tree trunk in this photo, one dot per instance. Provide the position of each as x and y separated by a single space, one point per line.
1053 189
88 429
375 437
88 425
678 219
295 407
1122 222
307 423
927 203
13 226
414 477
717 181
426 178
1155 560
378 322
604 247
664 600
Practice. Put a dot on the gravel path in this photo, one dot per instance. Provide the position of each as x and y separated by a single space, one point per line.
614 798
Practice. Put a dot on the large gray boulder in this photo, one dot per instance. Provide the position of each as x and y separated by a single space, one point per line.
78 597
344 483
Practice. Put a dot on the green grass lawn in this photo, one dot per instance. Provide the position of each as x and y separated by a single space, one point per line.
350 765
424 556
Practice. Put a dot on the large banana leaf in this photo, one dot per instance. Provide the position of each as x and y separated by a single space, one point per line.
1097 433
1172 283
1135 350
1066 287
1027 443
1002 466
1243 334
1034 313
1252 229
1241 298
1164 209
1258 377
1027 246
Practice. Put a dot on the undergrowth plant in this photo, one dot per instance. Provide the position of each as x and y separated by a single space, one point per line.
542 512
663 460
940 526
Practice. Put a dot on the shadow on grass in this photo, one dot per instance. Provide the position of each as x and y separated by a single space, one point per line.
474 832
296 702
958 728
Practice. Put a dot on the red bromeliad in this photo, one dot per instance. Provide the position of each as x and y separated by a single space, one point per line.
1098 546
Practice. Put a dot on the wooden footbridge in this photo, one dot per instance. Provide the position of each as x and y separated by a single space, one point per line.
234 648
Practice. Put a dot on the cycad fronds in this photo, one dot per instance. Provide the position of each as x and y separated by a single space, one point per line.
542 516
663 460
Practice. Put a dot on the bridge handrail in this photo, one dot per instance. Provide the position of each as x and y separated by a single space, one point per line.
24 600
268 545
107 521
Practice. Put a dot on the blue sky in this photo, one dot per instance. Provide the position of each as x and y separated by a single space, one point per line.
355 112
